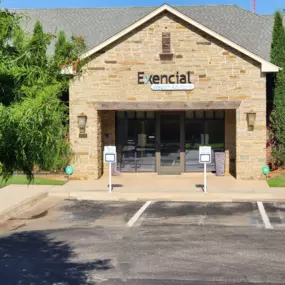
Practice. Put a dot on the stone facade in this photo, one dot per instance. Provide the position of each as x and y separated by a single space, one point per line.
219 73
230 139
108 123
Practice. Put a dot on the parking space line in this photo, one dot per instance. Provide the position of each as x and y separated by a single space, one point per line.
264 216
136 216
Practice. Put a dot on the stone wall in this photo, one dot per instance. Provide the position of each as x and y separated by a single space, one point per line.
250 145
108 123
230 139
87 152
219 73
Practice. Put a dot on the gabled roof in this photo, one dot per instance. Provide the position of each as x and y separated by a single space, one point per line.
270 17
241 29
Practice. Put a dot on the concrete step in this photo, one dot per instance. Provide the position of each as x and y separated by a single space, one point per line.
40 209
18 206
171 196
11 225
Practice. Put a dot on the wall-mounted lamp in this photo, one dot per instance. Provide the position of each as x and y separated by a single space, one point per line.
82 120
251 116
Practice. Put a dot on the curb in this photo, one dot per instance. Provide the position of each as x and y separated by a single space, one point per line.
206 198
15 210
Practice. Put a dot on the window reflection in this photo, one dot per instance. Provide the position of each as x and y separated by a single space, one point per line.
135 141
207 128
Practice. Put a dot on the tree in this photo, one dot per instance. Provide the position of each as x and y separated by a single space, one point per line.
277 118
278 121
277 54
33 119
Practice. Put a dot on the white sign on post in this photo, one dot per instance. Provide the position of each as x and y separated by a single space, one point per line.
205 156
110 156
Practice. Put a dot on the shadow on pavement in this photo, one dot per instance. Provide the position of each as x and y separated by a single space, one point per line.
35 258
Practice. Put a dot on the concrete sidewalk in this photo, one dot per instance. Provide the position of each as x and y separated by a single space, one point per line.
16 198
142 187
188 187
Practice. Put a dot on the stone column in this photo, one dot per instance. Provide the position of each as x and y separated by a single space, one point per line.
230 140
251 144
87 152
88 155
98 159
108 132
227 163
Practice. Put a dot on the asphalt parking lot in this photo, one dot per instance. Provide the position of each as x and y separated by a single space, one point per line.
276 214
75 214
135 243
223 214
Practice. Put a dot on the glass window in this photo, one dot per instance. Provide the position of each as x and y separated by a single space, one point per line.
131 115
140 115
120 115
189 114
215 134
219 114
194 138
208 130
209 114
135 141
199 114
150 115
170 140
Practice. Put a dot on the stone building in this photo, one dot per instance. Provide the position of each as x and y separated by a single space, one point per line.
161 81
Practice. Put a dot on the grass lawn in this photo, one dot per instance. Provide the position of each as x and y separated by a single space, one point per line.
21 179
278 181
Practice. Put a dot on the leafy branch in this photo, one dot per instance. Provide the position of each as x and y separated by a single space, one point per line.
33 119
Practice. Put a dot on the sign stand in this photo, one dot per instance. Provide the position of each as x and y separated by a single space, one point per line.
205 177
110 156
205 156
110 177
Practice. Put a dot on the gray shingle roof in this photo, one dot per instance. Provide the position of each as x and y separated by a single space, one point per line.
251 31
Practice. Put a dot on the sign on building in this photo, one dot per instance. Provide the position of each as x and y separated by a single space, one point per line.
167 82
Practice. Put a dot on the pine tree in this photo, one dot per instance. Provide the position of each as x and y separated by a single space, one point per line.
277 55
38 46
278 121
277 117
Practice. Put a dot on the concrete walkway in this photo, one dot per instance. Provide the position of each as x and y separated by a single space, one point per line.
188 187
141 187
16 198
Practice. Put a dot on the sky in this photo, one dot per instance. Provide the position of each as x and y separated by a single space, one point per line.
263 6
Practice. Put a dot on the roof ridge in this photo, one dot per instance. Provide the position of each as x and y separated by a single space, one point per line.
81 8
122 7
243 23
203 5
248 11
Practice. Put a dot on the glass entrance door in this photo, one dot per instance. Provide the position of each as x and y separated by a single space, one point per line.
170 150
203 128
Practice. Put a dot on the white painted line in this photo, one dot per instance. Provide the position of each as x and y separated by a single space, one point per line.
264 216
136 216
